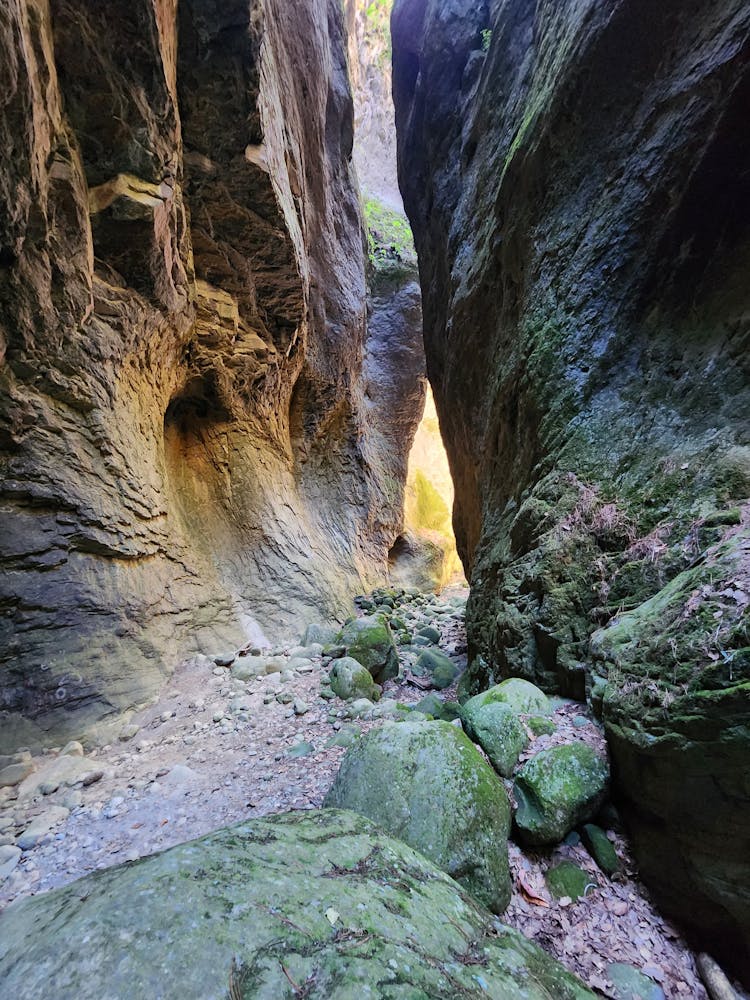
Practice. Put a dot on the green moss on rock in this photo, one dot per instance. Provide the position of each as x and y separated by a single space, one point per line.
558 789
428 785
567 879
350 680
369 641
498 730
321 898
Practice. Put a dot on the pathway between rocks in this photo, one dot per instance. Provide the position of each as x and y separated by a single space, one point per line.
216 750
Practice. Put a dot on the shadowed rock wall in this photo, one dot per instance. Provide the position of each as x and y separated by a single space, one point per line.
577 176
185 450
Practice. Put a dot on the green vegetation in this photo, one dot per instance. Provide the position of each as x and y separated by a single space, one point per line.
432 511
389 237
486 39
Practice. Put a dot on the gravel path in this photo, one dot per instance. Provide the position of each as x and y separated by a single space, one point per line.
215 751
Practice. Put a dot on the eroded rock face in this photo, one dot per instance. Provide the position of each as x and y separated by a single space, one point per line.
578 191
186 452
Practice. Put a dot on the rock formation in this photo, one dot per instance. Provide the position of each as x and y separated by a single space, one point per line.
577 176
187 453
321 904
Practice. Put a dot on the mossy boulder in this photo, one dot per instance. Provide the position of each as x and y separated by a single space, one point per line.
440 668
498 730
350 680
676 710
369 640
428 785
521 696
429 632
320 898
558 789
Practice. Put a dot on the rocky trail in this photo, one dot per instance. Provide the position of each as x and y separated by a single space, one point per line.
224 744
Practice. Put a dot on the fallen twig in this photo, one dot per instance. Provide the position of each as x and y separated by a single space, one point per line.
716 983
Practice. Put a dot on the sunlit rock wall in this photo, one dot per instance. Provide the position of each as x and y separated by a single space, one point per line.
186 452
577 176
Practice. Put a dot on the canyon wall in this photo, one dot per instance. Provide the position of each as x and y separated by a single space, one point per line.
577 176
187 455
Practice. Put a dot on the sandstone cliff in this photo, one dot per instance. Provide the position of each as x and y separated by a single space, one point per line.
577 178
186 452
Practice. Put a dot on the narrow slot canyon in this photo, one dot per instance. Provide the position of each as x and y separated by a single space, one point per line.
374 499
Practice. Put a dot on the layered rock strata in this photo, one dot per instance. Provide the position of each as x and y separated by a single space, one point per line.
186 453
576 175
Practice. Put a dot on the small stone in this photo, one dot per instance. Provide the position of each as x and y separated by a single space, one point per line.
217 715
14 774
300 706
165 716
225 659
180 774
430 633
600 848
567 879
630 984
41 826
128 732
9 858
284 698
300 750
72 749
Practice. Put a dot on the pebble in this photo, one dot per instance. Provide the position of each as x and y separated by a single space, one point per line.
72 749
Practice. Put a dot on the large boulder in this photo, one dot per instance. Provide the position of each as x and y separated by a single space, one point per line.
558 789
519 695
498 730
425 783
323 900
369 640
350 680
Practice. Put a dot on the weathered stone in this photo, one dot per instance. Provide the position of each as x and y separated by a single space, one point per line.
40 826
350 680
289 897
519 695
581 359
600 848
433 705
497 729
567 879
369 641
65 770
323 635
558 789
10 855
441 670
14 774
426 784
631 984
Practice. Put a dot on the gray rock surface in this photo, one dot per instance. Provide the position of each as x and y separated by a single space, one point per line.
262 905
